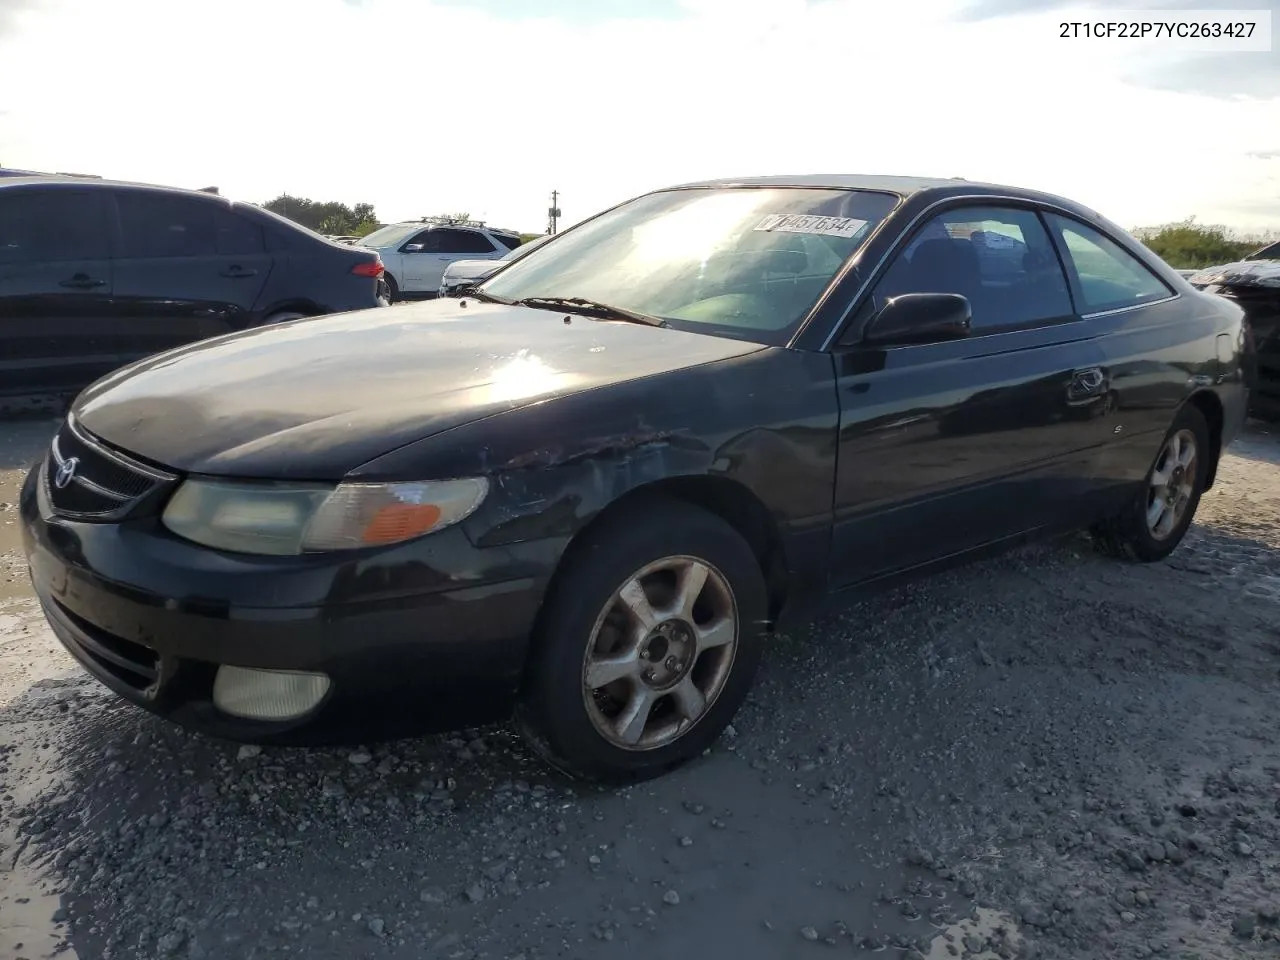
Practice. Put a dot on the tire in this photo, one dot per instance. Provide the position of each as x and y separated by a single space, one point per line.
393 288
1130 535
662 543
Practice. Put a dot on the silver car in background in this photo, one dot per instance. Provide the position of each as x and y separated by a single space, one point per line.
466 273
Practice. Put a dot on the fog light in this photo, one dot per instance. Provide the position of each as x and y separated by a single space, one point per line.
267 694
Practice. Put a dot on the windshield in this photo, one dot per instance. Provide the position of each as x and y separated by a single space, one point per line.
744 262
385 236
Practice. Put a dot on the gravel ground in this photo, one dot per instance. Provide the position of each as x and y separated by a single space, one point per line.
1046 755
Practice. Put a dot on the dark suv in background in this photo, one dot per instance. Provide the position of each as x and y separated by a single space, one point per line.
95 274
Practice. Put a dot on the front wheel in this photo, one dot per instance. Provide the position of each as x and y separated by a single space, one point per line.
1157 519
647 646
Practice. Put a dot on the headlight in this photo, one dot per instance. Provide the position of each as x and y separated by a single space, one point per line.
284 519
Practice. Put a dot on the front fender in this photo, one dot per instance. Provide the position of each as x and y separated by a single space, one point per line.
767 420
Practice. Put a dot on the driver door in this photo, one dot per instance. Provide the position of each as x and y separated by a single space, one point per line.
948 446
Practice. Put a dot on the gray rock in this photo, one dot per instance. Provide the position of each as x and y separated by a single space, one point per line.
671 898
1245 926
171 943
1035 917
248 751
809 933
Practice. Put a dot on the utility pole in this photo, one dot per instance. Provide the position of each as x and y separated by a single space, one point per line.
553 212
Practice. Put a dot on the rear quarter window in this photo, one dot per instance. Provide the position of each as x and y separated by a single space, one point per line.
1108 276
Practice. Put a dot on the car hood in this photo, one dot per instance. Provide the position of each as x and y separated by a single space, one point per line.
316 398
1244 273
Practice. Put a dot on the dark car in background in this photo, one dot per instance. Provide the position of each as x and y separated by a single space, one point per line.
1254 284
590 488
95 274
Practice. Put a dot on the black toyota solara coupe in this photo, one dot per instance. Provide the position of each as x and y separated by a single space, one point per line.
593 488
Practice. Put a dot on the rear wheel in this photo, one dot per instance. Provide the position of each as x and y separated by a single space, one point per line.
647 645
1157 519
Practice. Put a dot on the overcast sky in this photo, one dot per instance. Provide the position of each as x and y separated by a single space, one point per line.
427 106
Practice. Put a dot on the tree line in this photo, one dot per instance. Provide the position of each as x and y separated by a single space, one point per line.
1186 244
329 217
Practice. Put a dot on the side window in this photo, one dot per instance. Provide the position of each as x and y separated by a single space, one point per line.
462 241
1000 259
165 225
428 240
1110 277
236 235
52 226
507 240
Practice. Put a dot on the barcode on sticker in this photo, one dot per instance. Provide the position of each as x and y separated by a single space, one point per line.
804 223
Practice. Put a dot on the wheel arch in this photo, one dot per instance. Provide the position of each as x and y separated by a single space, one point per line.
1210 407
730 500
294 305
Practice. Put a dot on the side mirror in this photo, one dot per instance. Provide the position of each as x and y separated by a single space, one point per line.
413 248
920 318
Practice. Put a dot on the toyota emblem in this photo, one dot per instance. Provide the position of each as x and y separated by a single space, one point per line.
66 472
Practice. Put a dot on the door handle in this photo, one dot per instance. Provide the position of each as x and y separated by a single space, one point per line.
238 273
1086 383
82 281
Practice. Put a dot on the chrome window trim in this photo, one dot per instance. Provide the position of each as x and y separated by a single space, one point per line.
956 199
1132 306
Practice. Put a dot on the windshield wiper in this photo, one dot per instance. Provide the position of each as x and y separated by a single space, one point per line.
582 305
486 297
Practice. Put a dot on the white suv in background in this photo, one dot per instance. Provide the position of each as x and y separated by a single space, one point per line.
416 252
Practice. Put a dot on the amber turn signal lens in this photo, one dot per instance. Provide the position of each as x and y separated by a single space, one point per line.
401 521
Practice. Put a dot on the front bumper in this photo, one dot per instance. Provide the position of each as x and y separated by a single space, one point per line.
429 635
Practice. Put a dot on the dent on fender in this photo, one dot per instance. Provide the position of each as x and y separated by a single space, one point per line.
553 490
765 421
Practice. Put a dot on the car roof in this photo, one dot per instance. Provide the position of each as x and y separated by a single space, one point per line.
939 187
53 179
431 225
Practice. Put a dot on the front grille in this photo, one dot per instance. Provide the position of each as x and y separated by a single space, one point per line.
86 479
131 663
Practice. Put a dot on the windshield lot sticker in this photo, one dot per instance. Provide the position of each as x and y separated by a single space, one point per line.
820 226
